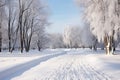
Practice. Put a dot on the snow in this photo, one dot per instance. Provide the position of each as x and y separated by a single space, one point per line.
107 64
63 64
8 60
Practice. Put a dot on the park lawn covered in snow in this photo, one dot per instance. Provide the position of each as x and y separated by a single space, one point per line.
8 60
108 64
75 64
13 62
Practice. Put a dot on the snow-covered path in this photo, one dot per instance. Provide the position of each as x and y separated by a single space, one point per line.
21 68
65 67
75 68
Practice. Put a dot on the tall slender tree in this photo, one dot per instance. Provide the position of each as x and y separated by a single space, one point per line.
2 3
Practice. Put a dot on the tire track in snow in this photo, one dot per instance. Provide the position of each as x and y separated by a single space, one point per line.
92 73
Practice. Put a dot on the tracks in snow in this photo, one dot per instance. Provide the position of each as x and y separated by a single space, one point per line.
64 67
73 67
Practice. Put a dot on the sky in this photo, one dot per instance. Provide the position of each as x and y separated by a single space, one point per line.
63 13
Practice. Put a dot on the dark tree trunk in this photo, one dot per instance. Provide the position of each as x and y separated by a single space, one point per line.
21 39
0 31
95 48
0 41
39 48
38 45
21 30
9 33
105 43
95 45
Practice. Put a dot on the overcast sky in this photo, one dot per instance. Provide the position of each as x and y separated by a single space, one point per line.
62 13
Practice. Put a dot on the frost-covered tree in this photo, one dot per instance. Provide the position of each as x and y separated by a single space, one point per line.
23 19
66 37
72 36
88 39
34 17
40 39
56 40
11 11
104 19
76 36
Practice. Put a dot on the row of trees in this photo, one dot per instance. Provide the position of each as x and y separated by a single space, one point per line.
22 23
103 17
74 37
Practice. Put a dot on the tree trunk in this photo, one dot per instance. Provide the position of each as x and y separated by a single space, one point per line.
109 44
0 31
94 48
0 41
38 44
105 43
9 33
102 48
21 39
95 45
39 48
27 49
21 30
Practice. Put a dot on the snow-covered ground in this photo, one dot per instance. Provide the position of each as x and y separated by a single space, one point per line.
79 64
16 63
8 60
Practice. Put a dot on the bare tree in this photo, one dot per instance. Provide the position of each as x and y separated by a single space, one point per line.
0 31
36 23
23 6
28 31
1 20
24 19
11 19
56 41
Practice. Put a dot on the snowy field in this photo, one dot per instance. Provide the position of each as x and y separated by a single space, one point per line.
79 64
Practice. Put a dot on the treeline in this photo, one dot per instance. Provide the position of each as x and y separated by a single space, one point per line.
75 37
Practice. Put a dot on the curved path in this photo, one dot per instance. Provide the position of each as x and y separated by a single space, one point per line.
9 73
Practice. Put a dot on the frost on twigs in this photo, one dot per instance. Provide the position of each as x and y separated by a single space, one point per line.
104 18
